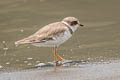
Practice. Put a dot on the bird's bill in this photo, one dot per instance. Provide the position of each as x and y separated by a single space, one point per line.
80 25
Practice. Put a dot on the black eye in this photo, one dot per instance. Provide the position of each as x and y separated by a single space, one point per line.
74 23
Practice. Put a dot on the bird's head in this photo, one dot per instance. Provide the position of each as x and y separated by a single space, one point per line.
72 22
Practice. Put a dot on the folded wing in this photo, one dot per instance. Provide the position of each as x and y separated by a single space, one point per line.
44 34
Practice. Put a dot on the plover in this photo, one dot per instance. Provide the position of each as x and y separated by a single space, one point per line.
53 35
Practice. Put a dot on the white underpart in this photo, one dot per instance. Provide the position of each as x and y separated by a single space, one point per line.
57 40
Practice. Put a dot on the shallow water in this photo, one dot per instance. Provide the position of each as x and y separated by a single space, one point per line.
98 41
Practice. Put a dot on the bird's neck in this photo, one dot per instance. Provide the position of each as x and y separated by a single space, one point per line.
71 27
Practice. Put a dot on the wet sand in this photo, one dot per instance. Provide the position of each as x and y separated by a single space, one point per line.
92 71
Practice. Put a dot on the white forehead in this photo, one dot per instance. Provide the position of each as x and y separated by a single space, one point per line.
70 19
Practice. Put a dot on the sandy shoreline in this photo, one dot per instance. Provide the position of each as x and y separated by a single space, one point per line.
100 71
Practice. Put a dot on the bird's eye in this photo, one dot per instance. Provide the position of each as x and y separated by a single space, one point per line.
74 23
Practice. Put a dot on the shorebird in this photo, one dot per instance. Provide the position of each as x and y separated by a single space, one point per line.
53 35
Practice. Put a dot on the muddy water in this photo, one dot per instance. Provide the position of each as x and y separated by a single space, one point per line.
98 41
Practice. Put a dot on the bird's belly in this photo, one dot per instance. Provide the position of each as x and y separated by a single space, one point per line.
55 42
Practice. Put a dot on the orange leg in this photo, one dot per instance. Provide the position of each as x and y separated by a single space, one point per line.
56 55
62 59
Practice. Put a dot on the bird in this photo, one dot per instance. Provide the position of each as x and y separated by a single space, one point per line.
53 35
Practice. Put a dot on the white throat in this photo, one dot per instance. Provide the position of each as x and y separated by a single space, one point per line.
71 27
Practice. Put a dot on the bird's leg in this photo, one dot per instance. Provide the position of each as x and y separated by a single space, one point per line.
62 59
55 57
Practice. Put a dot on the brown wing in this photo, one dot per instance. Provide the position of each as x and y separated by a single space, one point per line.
44 34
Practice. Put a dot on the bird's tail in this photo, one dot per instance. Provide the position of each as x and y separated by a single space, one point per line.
23 41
